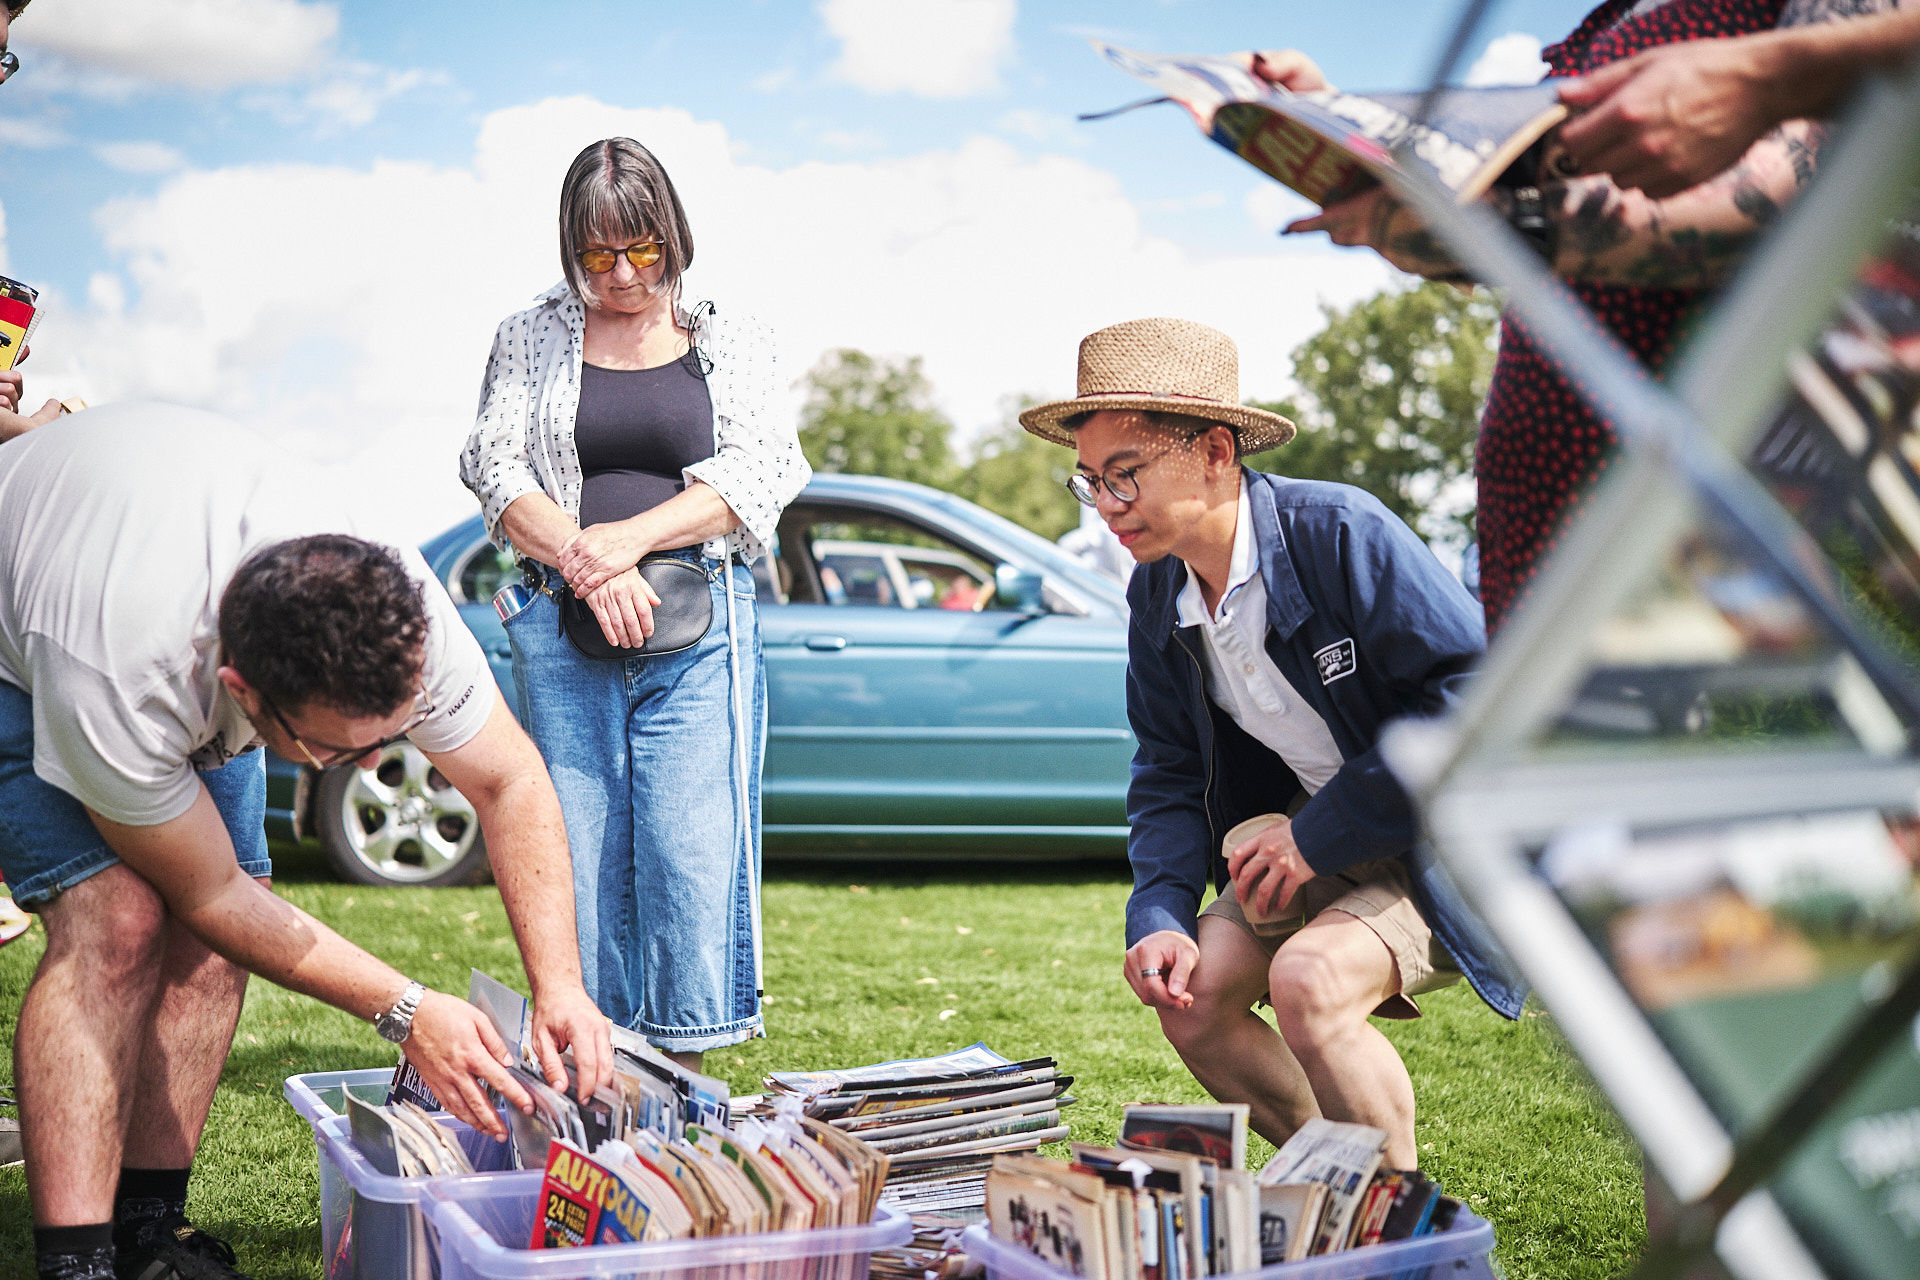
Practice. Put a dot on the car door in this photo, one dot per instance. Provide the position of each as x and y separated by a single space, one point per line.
902 715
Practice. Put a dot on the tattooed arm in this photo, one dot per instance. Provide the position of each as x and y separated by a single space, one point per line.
1609 235
1696 238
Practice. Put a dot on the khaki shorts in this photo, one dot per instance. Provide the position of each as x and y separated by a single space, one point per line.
1379 895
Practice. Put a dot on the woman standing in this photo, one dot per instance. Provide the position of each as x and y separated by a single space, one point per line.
619 422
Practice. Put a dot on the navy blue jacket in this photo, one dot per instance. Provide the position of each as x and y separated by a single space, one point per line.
1369 627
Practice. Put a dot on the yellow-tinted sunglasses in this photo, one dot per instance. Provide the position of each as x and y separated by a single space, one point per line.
600 261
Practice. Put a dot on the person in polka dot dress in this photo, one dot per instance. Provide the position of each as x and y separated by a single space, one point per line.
1642 267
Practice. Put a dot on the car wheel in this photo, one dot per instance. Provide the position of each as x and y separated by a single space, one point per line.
399 823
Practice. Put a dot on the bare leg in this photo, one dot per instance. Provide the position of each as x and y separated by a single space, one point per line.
75 1049
186 1046
691 1061
1325 980
1230 1049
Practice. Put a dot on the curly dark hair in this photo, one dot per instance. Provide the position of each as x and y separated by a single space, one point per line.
326 619
14 7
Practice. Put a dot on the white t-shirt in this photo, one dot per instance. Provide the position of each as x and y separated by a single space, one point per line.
1242 680
119 529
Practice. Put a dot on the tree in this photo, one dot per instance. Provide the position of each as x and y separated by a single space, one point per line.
1022 477
875 417
1389 400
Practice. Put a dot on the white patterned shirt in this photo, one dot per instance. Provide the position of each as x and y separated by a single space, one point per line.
1242 680
523 441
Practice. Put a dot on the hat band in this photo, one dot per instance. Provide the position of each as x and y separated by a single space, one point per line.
1157 395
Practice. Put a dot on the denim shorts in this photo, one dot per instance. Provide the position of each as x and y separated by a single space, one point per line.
47 842
665 848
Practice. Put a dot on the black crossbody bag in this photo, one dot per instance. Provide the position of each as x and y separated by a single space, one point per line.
681 619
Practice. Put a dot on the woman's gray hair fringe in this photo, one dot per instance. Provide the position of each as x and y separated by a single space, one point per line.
616 190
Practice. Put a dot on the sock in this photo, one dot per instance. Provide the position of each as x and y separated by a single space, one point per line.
145 1196
74 1253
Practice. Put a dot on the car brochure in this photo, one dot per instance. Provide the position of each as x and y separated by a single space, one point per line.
1330 146
18 319
1217 1131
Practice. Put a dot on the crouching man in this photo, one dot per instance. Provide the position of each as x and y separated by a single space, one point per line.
1278 625
173 596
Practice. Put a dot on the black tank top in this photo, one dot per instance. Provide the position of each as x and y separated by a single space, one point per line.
636 429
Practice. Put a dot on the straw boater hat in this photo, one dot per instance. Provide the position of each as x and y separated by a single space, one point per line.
1168 366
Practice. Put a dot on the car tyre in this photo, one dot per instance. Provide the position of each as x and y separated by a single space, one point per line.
399 823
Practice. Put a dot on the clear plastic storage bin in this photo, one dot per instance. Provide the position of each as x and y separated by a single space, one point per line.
484 1223
1459 1253
371 1226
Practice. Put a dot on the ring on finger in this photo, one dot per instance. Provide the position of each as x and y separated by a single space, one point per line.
1152 973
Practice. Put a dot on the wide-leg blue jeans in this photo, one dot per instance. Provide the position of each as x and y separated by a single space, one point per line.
647 755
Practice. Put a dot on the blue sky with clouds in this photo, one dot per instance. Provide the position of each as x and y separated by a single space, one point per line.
310 215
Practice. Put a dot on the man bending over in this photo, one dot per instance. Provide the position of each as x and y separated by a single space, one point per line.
173 596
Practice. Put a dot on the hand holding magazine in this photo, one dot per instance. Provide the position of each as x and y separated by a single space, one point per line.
1329 145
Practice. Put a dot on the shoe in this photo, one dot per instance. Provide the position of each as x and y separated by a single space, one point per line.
13 921
171 1248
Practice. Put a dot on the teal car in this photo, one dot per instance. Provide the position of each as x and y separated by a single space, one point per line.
941 683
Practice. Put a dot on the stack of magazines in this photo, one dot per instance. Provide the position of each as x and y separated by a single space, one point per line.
940 1120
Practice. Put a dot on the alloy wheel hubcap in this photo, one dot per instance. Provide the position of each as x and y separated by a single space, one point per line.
403 820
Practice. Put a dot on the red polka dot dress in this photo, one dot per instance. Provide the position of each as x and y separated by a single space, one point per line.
1540 447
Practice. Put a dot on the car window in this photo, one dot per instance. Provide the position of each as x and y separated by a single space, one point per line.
864 559
482 572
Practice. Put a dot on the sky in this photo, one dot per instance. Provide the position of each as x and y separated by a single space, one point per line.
311 215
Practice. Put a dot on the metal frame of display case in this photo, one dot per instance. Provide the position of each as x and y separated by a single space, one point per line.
1487 800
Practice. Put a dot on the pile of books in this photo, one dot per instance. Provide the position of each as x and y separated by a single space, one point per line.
779 1174
1172 1201
940 1120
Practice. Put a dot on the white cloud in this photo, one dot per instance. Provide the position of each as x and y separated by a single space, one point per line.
935 48
201 44
352 97
139 157
298 296
33 135
1513 58
851 139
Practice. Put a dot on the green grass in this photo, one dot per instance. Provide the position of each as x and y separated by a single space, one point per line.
864 966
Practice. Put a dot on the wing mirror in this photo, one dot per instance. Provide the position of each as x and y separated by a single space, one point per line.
1020 589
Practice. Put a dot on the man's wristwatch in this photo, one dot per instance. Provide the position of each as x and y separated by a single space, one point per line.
396 1024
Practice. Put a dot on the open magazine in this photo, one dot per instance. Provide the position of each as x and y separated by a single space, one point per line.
1330 146
18 318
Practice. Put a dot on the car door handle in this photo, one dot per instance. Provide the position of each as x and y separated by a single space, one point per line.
825 644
